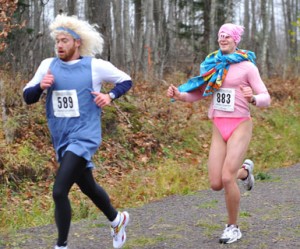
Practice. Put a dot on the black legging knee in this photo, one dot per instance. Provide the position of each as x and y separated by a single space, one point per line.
73 170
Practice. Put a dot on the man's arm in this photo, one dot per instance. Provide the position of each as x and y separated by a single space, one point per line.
120 89
41 81
32 94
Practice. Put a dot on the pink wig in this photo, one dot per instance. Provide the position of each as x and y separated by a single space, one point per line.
235 31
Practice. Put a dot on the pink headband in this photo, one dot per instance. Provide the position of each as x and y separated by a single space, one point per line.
235 31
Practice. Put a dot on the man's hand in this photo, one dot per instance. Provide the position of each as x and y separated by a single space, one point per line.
101 99
47 81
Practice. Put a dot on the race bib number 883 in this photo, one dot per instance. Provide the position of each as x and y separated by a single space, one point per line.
223 99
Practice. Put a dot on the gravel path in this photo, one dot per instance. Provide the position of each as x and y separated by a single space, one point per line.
270 218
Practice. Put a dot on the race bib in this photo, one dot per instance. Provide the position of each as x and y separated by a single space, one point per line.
223 99
65 104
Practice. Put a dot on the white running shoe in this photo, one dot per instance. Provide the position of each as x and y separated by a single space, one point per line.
60 247
231 234
248 183
118 233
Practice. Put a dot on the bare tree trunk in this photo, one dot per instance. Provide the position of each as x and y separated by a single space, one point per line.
127 38
72 7
38 26
253 34
273 52
287 25
193 21
246 35
294 18
265 13
212 26
3 103
297 34
229 16
148 39
206 35
171 32
60 6
98 11
29 49
161 40
157 49
138 36
9 126
118 49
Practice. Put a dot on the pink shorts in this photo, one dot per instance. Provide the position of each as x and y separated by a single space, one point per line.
226 126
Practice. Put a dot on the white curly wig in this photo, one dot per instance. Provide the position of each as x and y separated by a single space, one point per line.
91 39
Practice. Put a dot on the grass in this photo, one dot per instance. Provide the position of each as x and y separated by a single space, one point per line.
263 176
171 159
276 135
143 241
162 180
209 228
210 204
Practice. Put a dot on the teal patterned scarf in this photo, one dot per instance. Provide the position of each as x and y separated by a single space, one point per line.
213 70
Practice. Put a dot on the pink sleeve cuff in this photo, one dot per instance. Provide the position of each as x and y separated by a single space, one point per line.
263 99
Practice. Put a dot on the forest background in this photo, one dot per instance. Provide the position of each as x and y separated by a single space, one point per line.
151 147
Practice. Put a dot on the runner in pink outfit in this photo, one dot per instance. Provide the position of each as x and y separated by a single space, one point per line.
232 126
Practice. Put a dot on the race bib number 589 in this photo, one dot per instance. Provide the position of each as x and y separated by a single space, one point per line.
223 99
65 103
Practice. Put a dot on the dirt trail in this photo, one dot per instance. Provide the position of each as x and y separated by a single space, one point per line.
270 218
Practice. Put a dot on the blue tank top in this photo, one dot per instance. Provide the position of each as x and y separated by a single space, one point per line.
74 119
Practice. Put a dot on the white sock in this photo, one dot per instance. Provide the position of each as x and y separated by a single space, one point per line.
116 221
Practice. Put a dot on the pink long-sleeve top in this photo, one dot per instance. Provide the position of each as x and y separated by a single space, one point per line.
240 74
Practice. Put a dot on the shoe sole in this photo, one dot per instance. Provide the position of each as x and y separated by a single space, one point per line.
250 168
246 186
248 162
228 241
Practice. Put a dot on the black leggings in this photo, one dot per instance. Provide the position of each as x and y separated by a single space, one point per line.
73 170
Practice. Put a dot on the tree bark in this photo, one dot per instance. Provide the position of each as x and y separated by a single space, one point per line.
212 26
117 36
265 13
148 68
246 24
98 12
230 8
60 6
127 38
72 7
